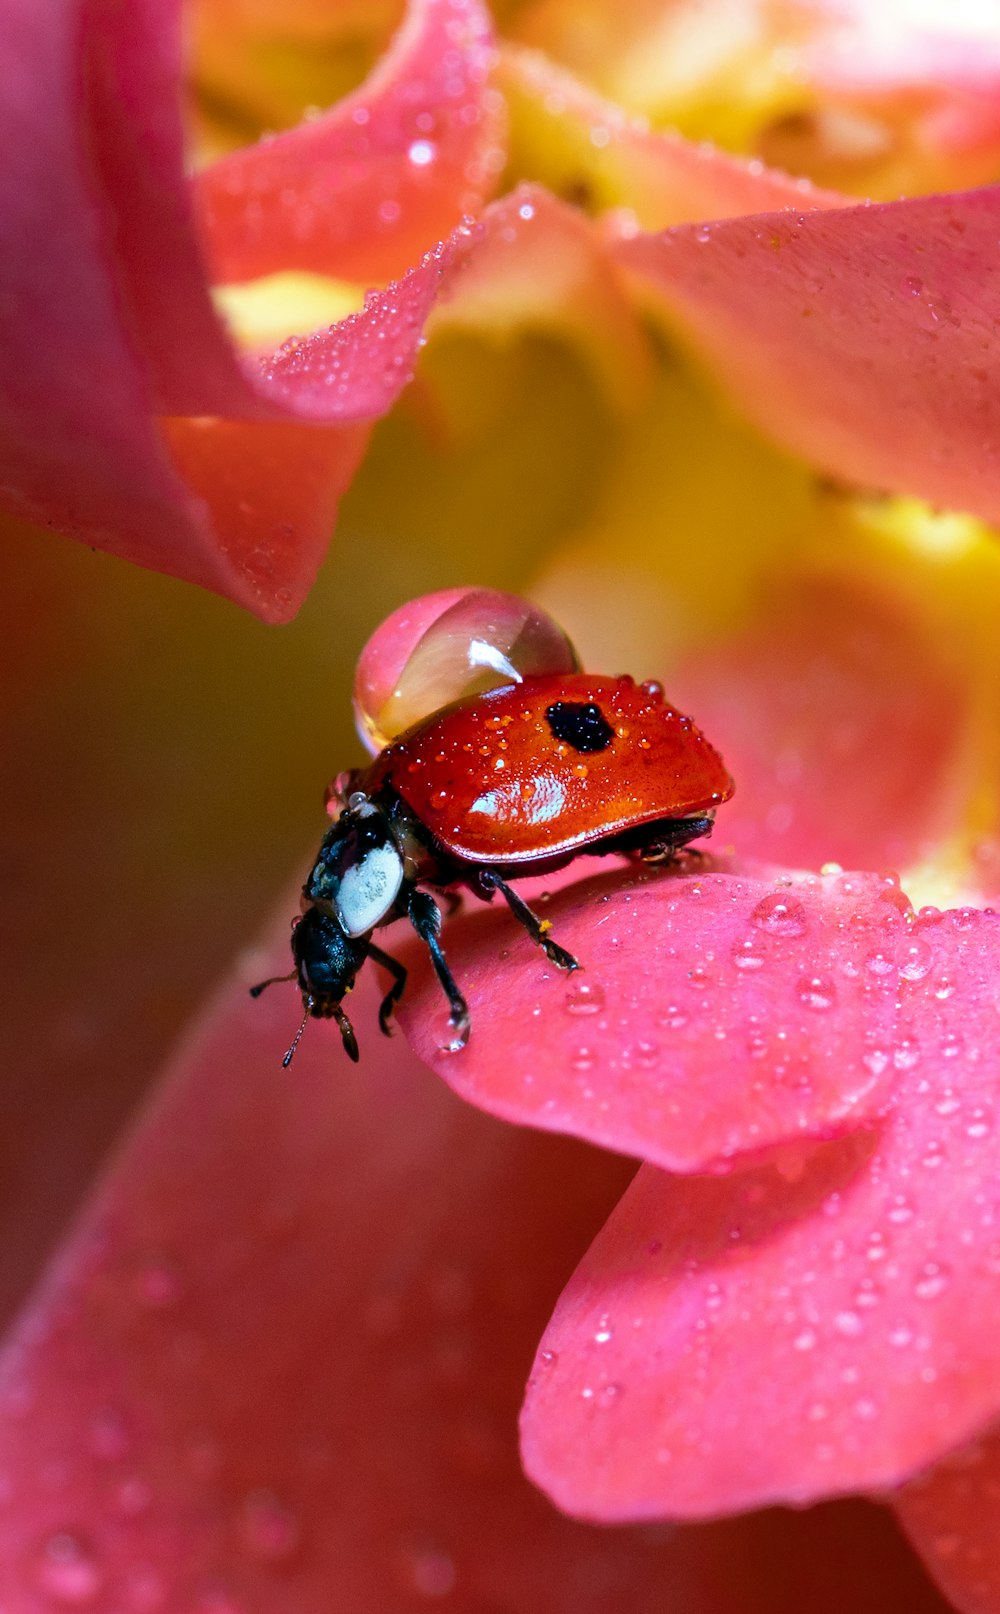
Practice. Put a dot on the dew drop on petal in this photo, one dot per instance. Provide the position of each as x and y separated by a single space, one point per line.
68 1570
916 960
584 997
931 1281
421 153
748 954
269 1527
780 915
816 992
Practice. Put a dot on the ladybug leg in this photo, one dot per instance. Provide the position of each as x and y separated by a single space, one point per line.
660 856
347 1036
395 992
425 917
538 929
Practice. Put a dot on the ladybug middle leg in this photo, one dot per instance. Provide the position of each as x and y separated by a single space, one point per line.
538 929
425 917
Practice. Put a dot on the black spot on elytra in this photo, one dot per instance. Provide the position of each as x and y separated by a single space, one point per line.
580 724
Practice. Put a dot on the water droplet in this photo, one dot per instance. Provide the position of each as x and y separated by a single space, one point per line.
270 1529
608 1394
748 954
917 960
604 1331
848 1324
68 1570
881 965
584 997
780 915
422 152
933 1281
816 992
805 1340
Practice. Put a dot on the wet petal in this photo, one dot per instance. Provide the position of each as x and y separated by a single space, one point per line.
361 191
776 1335
92 362
826 325
324 1247
714 1016
948 1515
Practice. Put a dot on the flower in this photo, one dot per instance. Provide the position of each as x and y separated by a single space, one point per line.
366 1261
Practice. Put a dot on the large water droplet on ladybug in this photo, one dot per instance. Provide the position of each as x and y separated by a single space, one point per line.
446 646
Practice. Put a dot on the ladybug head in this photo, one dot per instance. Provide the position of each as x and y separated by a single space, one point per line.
326 963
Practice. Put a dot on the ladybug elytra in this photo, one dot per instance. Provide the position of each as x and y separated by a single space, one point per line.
530 763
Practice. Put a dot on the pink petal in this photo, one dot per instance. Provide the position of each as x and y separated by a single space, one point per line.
278 1367
831 680
714 1015
860 338
91 356
798 1333
270 495
365 189
950 1517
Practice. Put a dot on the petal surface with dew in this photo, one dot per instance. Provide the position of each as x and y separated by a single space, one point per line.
823 326
842 1306
715 1015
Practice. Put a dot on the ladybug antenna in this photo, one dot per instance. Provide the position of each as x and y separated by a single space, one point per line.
298 1035
255 991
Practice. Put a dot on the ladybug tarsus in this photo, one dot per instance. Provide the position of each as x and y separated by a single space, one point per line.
538 929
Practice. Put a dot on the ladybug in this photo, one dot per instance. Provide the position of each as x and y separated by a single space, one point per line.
513 779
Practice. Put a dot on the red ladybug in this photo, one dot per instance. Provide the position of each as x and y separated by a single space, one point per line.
512 781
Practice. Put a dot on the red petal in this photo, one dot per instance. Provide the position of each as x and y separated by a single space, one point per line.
278 1368
91 355
713 1016
861 338
768 1336
949 1516
271 494
362 191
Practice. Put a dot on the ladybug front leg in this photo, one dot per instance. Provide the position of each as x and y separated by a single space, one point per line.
538 929
425 917
395 992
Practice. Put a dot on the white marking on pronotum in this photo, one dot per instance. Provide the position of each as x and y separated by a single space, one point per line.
368 889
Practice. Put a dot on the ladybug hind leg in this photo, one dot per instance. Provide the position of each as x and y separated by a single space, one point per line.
538 929
425 917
